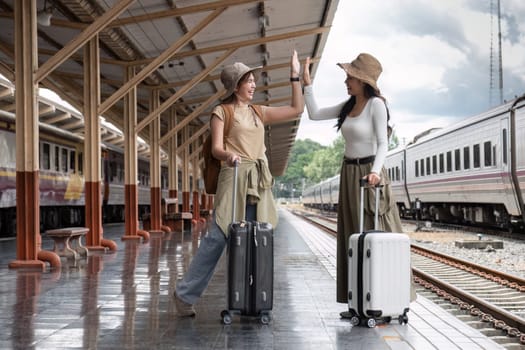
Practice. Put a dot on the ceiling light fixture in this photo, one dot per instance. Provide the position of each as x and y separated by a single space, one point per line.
43 16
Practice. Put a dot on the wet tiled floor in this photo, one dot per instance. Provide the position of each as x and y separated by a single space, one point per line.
123 300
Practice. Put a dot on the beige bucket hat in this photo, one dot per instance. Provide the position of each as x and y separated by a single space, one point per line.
365 68
232 74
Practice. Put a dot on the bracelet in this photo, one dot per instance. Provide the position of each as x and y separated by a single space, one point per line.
292 79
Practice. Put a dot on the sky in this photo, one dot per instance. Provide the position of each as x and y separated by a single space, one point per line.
435 57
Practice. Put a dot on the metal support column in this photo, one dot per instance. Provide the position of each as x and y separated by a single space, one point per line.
131 223
173 173
154 166
28 239
195 185
186 174
92 159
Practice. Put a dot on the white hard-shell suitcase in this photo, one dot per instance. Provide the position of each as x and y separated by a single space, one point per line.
378 273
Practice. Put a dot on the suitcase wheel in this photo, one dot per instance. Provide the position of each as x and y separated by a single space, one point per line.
226 317
371 322
265 318
403 319
354 320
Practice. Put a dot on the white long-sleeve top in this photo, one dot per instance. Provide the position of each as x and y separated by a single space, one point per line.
365 135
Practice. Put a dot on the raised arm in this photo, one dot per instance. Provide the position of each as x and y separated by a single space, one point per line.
314 112
284 113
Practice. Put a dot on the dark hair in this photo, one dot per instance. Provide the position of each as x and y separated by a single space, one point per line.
369 92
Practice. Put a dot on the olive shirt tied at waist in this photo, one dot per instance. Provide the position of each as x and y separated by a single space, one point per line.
253 179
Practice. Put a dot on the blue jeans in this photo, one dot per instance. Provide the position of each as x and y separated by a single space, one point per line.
190 288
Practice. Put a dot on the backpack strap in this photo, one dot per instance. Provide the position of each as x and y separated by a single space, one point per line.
258 111
228 115
228 118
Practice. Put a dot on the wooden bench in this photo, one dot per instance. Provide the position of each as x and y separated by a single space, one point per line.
206 212
178 221
68 241
170 205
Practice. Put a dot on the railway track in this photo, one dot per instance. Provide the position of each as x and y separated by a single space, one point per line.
490 301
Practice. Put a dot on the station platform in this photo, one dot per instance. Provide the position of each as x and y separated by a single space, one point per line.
124 300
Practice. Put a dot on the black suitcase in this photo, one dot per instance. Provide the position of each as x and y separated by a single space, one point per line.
250 268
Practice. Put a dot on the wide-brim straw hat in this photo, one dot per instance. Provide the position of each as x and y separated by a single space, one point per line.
365 68
232 74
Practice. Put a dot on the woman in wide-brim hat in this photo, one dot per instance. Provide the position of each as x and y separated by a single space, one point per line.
237 130
363 122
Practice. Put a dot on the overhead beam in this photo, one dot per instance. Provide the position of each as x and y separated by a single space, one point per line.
166 104
214 77
239 44
193 138
80 40
192 116
174 12
58 118
155 63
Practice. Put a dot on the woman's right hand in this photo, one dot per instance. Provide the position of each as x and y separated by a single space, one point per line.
232 159
307 80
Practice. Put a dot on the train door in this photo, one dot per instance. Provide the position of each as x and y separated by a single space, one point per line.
504 162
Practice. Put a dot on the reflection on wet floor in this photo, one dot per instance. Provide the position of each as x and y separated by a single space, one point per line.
124 300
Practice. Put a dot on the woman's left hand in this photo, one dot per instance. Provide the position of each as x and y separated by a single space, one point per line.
295 65
373 179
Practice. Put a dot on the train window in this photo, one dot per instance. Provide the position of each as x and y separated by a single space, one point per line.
449 161
466 157
113 170
494 155
477 155
441 163
63 160
120 173
81 163
390 173
57 158
487 153
403 171
46 156
457 159
428 165
422 167
72 157
434 164
397 173
416 168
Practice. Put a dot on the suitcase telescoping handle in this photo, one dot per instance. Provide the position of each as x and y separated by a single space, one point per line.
362 183
234 190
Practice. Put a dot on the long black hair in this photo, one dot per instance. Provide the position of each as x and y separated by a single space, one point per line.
369 92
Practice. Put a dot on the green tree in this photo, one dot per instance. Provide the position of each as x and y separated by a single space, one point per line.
393 141
326 162
294 176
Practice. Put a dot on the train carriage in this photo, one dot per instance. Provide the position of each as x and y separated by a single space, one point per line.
470 172
395 164
462 173
61 180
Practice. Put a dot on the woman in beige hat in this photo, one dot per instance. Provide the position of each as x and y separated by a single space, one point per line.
240 141
363 121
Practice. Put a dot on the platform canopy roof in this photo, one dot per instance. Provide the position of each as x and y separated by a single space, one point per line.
177 47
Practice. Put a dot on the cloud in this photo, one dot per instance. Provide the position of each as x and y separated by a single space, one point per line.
435 57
